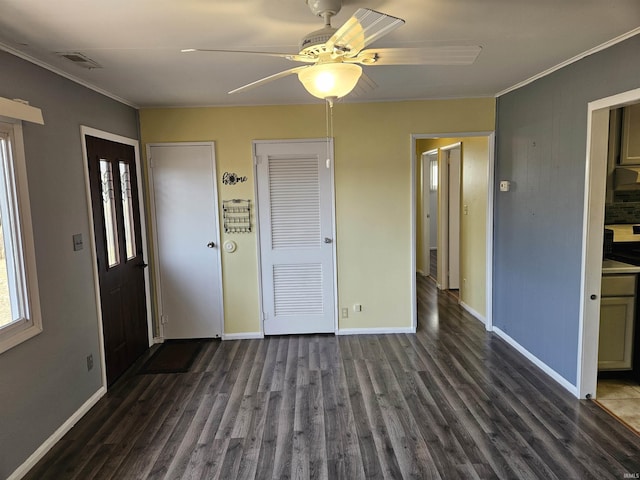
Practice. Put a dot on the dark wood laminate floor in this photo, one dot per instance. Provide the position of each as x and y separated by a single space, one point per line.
449 402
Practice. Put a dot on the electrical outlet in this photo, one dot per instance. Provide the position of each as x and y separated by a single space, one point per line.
89 362
345 313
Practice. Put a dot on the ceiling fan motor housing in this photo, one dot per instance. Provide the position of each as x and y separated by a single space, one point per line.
323 8
313 44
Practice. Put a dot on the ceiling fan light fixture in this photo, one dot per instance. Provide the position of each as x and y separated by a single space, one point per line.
328 80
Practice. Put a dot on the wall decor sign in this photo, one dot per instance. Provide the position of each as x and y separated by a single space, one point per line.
230 178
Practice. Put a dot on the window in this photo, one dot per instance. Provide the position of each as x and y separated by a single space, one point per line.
19 304
433 165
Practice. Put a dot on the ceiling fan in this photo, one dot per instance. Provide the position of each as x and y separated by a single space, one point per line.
333 57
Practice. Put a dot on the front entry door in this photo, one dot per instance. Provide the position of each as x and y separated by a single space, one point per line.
295 203
116 220
186 234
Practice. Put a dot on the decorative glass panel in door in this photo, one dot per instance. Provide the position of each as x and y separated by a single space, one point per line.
127 210
109 209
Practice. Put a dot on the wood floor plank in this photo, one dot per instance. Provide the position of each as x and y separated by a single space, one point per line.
451 401
266 457
173 450
205 359
146 447
301 448
206 460
268 367
368 453
232 457
237 379
253 438
414 458
317 439
285 428
259 349
386 453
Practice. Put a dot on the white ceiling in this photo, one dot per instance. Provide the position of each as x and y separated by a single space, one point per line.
138 43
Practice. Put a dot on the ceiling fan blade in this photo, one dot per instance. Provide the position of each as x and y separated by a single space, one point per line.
363 28
364 86
268 79
420 56
289 56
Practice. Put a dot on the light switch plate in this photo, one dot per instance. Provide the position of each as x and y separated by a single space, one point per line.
77 242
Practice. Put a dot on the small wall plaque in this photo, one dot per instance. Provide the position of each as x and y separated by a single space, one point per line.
230 178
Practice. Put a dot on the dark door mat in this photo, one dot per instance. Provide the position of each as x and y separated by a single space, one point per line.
173 356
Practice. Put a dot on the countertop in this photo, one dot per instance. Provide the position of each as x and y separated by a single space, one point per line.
614 266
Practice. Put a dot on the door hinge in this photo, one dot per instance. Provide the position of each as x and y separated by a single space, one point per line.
328 163
256 160
151 162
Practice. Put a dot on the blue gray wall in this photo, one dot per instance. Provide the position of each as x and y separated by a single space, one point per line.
45 380
541 149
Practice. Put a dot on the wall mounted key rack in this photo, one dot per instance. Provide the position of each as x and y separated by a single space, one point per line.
237 216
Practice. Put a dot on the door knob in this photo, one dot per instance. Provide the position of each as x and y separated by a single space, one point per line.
211 245
328 240
593 297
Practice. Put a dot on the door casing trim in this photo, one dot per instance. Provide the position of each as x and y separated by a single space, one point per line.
593 231
490 135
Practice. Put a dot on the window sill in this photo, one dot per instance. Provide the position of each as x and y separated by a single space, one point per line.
9 340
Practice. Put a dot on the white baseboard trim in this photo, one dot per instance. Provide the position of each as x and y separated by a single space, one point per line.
537 362
242 336
42 450
475 314
374 331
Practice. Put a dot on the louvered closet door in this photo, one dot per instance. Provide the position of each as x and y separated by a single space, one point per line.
295 203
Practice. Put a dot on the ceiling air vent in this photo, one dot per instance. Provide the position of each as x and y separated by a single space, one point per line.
79 59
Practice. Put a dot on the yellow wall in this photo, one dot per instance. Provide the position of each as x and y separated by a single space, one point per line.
372 179
473 226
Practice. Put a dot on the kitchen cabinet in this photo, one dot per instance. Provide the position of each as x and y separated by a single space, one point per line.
630 141
617 322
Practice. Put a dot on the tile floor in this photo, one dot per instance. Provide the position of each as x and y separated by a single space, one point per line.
622 398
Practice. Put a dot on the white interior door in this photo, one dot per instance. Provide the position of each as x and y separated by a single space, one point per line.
183 178
427 208
454 218
424 197
295 204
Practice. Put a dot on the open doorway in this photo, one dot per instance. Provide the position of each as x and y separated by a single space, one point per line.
608 359
474 208
440 193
